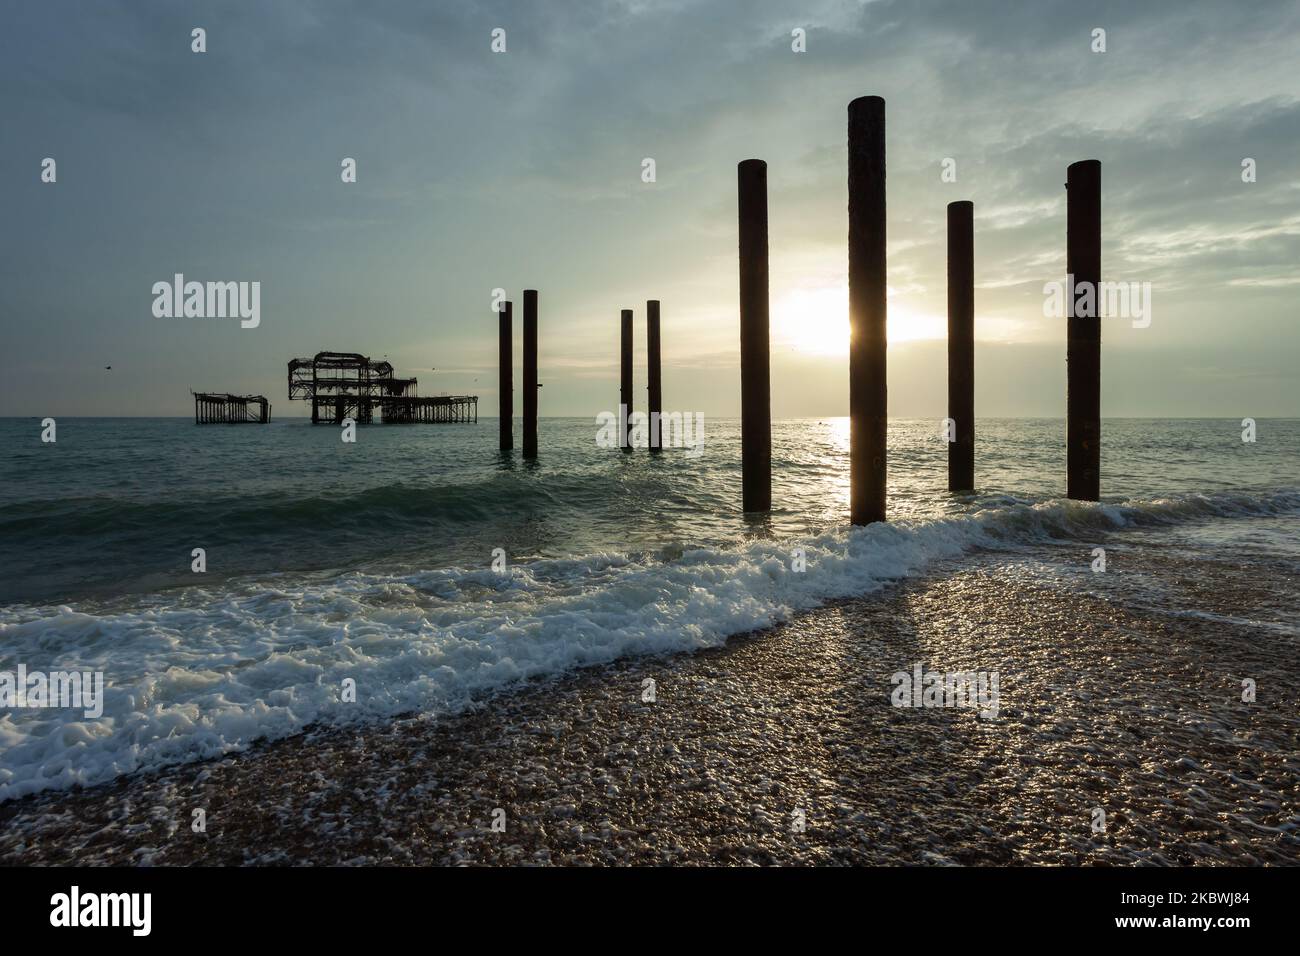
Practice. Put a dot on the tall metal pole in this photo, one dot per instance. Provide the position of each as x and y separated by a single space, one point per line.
868 395
530 373
961 345
505 359
755 370
1083 333
655 399
625 382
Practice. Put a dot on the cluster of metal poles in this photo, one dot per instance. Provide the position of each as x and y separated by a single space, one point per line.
868 394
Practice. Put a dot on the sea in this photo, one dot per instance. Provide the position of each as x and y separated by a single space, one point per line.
420 569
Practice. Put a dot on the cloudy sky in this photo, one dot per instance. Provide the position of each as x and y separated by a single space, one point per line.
522 169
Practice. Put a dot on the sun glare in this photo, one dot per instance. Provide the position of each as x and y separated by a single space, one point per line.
816 322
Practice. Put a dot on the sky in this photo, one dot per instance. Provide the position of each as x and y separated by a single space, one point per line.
479 170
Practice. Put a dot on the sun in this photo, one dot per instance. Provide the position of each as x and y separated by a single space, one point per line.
815 321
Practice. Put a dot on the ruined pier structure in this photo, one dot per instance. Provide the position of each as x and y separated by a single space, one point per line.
343 385
220 407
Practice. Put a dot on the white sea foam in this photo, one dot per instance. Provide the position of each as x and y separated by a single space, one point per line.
195 673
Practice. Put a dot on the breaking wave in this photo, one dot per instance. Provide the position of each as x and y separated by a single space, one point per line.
196 672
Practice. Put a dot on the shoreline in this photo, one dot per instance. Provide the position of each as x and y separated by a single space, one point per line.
1103 705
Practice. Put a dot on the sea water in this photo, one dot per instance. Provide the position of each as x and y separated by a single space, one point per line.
420 567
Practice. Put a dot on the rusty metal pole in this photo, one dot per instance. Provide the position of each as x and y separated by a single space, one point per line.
530 373
655 399
755 369
868 395
625 382
505 360
961 345
1083 332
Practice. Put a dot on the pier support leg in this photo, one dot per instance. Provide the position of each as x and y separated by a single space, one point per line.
506 389
625 382
530 373
961 345
868 396
755 371
655 402
1083 334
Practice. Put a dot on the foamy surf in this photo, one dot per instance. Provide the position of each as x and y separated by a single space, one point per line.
193 672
